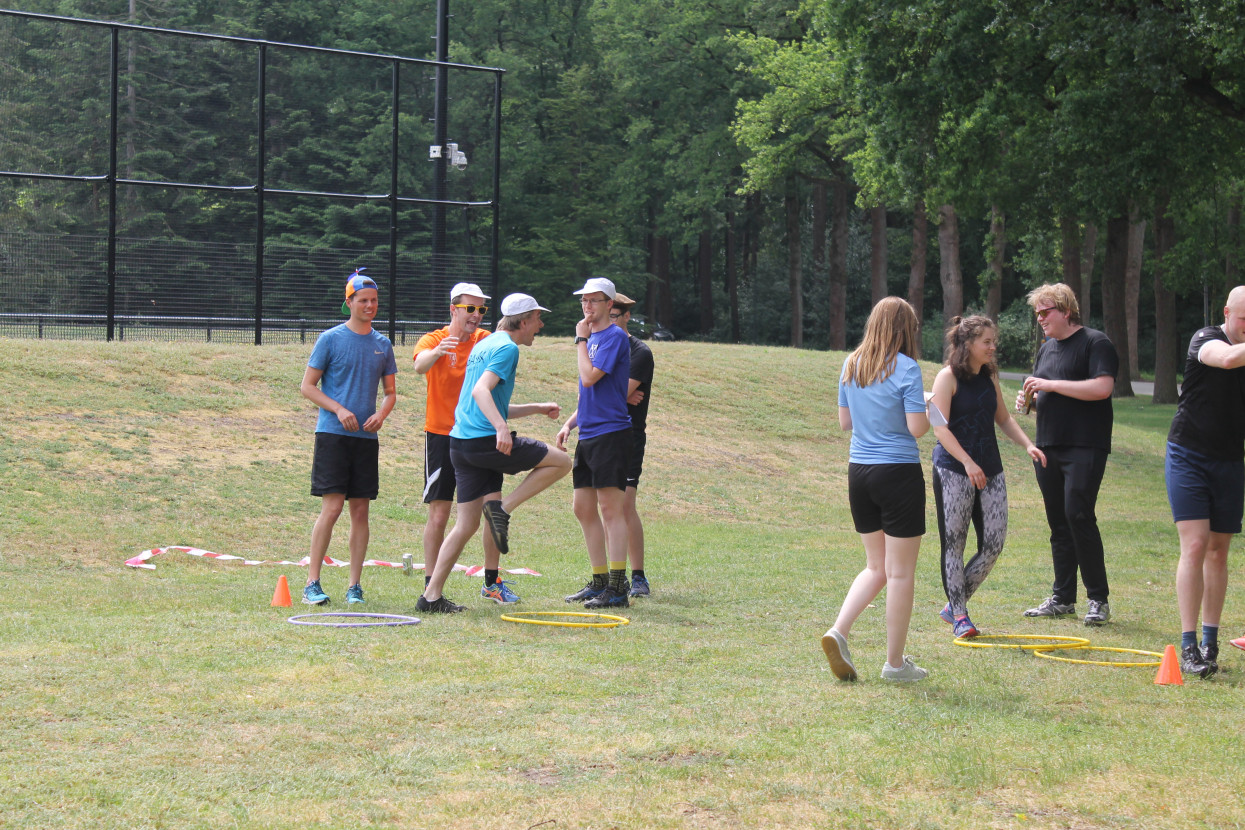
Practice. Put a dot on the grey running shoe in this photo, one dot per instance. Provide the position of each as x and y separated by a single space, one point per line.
1192 662
639 587
909 672
442 605
498 521
834 645
1098 614
1051 607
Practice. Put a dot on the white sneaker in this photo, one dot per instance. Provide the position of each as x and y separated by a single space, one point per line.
909 672
834 645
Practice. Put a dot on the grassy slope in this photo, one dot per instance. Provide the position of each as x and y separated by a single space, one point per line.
180 698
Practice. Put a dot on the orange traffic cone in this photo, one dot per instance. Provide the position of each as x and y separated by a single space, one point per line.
1169 669
281 596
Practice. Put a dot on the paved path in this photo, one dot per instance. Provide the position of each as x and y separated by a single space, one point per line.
1140 387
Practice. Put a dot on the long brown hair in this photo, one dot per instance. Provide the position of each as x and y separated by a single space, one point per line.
960 335
891 329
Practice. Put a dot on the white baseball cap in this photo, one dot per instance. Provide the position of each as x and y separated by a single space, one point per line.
519 304
598 284
467 288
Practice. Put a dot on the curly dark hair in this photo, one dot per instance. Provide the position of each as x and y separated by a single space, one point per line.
960 335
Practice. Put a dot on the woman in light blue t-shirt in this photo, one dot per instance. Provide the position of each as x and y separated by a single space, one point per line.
882 403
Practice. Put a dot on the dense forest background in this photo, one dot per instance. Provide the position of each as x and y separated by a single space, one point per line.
765 171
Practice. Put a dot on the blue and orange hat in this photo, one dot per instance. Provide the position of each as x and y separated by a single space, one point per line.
356 282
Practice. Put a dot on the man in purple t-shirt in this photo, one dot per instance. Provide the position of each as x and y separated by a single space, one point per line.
603 454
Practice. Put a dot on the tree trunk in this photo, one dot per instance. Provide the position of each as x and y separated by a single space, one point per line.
918 263
704 272
794 267
732 276
663 308
1132 288
1166 347
1231 268
877 259
949 264
998 239
1114 319
839 208
1071 254
1089 249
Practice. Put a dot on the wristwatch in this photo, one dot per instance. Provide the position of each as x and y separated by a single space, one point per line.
579 340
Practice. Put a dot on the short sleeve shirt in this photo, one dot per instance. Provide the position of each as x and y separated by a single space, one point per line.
641 370
498 354
1068 422
1210 417
879 414
353 366
445 378
603 405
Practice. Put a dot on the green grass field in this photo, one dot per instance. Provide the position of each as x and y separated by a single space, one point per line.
179 698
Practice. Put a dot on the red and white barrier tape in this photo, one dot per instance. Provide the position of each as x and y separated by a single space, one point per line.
140 561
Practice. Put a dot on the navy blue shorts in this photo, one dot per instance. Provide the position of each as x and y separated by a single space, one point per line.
887 497
479 468
603 461
345 464
1205 488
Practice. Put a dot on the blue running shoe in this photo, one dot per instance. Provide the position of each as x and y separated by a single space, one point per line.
313 594
946 616
964 629
588 592
500 593
639 587
609 598
354 594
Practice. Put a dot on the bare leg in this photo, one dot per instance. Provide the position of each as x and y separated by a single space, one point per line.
552 467
434 532
1215 577
1190 582
900 582
466 526
635 532
867 584
360 534
584 503
322 532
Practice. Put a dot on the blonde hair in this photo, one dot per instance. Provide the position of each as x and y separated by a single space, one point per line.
961 334
1061 297
891 329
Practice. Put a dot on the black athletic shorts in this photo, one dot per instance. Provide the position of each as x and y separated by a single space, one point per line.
636 466
479 468
887 497
603 461
346 464
438 468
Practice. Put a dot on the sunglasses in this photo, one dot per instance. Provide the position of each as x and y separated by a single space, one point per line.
1043 312
472 309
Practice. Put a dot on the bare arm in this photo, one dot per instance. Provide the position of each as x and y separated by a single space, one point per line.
944 391
377 420
1012 429
634 395
845 419
548 408
426 359
565 431
482 394
312 392
1220 355
1093 389
918 423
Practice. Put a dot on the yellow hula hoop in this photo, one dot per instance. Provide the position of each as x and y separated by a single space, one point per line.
1042 653
611 621
1060 642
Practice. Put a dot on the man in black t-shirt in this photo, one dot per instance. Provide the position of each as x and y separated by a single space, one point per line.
1205 474
638 387
1071 385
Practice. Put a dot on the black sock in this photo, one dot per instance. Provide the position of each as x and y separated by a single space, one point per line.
490 577
637 574
427 579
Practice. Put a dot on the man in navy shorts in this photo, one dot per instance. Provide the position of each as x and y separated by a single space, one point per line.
603 454
484 450
346 366
1205 474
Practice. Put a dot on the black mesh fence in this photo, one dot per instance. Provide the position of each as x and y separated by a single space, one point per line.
237 186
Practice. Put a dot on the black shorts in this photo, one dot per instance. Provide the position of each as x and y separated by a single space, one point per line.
438 468
887 497
345 464
479 468
636 466
603 461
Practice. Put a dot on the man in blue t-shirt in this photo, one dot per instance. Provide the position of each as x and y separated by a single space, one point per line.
346 366
484 450
603 454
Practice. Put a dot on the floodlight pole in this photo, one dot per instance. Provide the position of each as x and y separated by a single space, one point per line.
439 134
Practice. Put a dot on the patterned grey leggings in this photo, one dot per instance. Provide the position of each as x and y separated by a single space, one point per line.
960 503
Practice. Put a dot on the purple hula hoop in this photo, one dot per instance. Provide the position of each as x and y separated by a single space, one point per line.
389 619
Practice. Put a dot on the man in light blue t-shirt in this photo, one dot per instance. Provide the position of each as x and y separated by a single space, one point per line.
484 450
346 366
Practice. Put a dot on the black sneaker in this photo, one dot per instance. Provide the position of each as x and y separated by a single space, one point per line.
587 592
609 598
1192 662
498 521
442 605
1211 655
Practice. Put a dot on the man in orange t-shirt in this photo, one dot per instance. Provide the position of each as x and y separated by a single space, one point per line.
441 357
